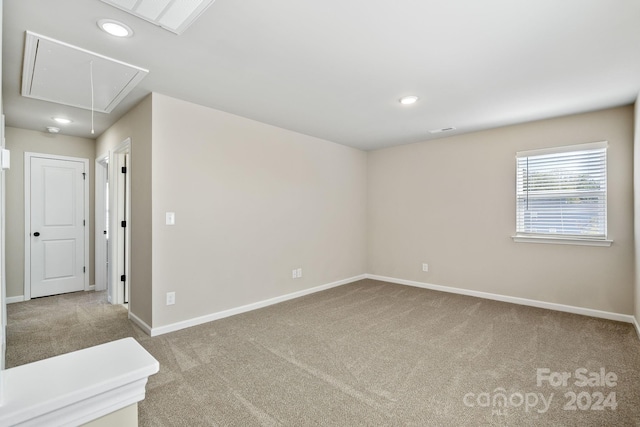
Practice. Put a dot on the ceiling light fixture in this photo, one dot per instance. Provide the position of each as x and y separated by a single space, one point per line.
408 100
62 120
115 28
53 129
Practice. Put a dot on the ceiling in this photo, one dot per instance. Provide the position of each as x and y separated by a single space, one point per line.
336 69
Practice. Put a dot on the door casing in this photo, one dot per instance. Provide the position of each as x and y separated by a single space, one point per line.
101 258
119 237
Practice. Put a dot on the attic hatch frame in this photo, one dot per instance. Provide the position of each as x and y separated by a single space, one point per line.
32 45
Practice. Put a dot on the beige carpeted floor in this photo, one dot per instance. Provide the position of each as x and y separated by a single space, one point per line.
368 353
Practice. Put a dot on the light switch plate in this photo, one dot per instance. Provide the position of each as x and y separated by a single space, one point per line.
171 218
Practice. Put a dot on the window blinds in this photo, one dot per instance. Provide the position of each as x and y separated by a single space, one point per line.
562 192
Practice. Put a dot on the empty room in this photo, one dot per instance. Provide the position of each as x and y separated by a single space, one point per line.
250 213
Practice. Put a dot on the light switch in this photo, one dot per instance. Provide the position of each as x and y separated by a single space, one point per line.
171 218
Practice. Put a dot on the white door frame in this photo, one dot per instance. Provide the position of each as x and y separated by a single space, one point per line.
116 233
101 256
27 216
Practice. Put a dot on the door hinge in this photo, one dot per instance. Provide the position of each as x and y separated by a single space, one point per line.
123 278
84 175
124 169
84 222
123 224
84 269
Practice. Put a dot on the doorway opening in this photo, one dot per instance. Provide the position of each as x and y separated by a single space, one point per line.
113 210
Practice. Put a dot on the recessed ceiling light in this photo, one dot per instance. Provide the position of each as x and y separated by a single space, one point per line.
408 100
62 120
115 28
53 129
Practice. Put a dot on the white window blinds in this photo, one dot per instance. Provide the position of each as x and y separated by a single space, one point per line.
562 192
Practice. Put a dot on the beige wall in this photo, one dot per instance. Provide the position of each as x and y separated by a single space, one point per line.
636 170
136 124
19 141
125 417
252 202
451 203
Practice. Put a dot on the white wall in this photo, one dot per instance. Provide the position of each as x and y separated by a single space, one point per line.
451 203
252 202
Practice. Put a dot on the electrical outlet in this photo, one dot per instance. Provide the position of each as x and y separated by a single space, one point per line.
294 274
299 272
171 298
425 267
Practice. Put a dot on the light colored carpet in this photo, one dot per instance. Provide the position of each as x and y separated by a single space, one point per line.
367 353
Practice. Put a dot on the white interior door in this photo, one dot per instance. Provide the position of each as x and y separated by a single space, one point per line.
57 229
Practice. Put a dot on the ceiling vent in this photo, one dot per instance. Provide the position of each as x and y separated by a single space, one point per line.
449 129
173 15
58 72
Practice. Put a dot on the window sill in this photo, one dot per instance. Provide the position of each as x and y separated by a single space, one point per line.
561 241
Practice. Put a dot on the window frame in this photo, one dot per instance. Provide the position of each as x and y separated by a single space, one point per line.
521 237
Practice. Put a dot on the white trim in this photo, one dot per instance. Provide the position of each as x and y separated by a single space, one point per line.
91 288
12 300
113 377
635 323
115 231
562 240
249 307
3 250
141 323
27 216
563 149
100 262
514 300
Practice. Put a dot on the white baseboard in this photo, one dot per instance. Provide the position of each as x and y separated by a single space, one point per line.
249 307
479 294
11 300
91 288
138 321
514 300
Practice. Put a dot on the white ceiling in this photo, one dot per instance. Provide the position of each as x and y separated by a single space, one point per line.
336 69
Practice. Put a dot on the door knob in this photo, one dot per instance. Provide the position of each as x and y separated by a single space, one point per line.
37 233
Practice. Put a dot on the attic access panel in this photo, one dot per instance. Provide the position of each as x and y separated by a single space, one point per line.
59 72
172 15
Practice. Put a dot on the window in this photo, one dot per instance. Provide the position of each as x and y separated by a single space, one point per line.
561 195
